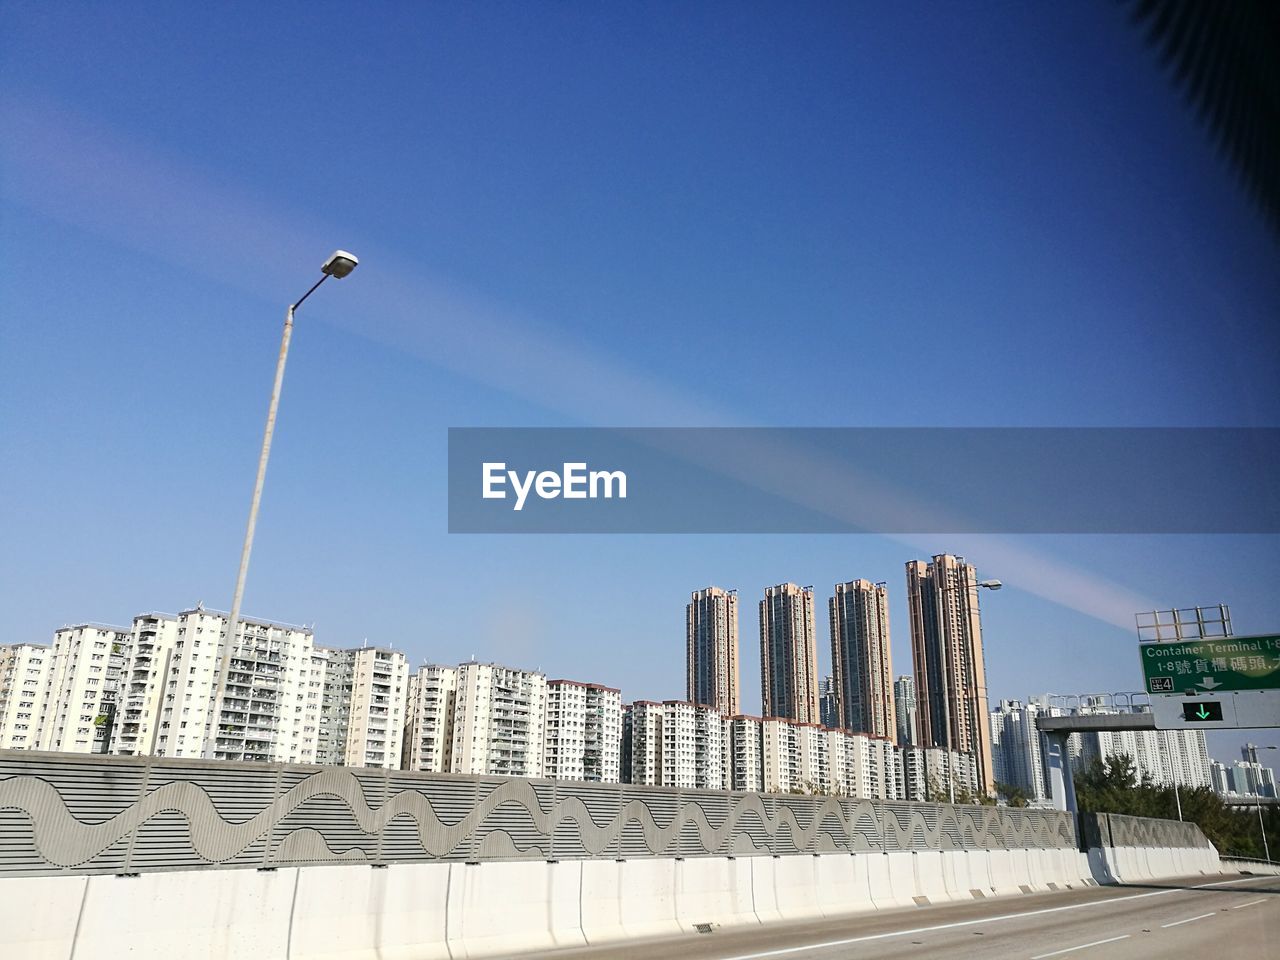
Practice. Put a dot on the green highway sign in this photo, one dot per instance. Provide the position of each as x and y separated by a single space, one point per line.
1222 664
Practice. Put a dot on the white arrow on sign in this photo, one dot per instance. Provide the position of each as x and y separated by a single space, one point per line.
1208 683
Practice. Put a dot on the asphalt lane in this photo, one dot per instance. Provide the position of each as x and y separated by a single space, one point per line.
1202 918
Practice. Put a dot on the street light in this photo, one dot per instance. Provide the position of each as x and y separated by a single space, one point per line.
951 773
1262 825
339 265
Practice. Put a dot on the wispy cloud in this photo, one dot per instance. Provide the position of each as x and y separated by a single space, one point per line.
64 166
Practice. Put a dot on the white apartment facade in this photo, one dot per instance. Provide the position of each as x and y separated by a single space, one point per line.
1166 756
428 739
886 762
269 711
642 743
814 760
1017 753
142 684
81 686
678 744
364 706
779 756
499 719
863 762
583 732
928 774
23 676
746 748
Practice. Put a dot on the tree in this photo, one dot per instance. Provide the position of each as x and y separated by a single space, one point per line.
1013 795
1113 786
933 792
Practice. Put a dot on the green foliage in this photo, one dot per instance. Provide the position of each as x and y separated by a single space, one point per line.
1113 786
807 788
933 792
1011 795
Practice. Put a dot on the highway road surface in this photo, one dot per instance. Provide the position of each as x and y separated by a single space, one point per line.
1198 919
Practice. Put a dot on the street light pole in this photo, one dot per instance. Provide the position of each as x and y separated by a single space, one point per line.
1262 824
339 265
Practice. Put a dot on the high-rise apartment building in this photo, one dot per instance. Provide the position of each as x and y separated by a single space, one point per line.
82 680
142 684
266 713
780 755
915 786
711 649
1017 751
815 758
498 721
904 708
932 774
1220 778
745 756
678 744
428 738
828 708
1165 756
950 671
582 737
364 705
23 669
788 654
886 760
842 763
158 693
861 662
1246 777
642 743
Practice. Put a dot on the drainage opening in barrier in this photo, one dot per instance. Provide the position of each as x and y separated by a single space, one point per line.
703 927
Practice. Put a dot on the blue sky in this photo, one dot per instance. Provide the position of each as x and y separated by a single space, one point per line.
646 215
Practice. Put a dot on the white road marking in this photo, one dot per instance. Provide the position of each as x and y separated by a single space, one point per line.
1241 906
1178 923
1094 943
785 951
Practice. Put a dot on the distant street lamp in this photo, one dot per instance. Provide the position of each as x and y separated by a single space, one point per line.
339 265
1262 824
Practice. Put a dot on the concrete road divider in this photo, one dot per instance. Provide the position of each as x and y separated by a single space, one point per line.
424 911
713 890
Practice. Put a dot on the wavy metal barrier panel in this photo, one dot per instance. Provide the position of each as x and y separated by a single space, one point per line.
65 813
1118 830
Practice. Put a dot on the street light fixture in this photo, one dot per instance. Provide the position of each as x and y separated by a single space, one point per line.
339 265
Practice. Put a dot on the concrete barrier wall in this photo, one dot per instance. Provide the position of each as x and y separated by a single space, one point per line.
1140 864
448 910
1137 849
1231 864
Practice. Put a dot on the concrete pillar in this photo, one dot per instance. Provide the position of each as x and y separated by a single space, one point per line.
1061 787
